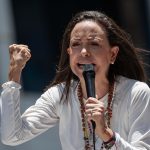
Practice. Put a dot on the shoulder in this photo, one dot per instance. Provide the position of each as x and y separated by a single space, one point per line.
132 89
131 84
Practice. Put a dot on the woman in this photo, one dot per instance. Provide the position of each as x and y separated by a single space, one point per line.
122 105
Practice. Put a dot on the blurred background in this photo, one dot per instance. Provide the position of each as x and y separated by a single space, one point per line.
40 25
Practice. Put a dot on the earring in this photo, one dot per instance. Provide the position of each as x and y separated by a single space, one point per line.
112 63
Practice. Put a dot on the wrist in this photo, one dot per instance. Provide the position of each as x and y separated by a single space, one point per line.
106 134
110 142
14 74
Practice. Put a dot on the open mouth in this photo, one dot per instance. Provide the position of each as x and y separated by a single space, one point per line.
81 65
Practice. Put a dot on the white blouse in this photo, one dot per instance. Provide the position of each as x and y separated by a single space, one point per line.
130 121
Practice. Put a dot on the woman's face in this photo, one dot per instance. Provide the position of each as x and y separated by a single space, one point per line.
89 45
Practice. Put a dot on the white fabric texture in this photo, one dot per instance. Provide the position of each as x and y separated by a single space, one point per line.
130 121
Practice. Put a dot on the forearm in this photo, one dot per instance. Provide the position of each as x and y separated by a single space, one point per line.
14 74
10 113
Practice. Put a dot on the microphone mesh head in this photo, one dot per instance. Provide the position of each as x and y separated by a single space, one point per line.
88 67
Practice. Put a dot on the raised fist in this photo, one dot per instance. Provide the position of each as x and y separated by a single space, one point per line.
19 55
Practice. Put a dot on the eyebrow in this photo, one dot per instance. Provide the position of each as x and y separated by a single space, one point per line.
89 38
96 37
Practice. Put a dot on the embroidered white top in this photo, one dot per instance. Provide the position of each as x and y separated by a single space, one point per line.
130 121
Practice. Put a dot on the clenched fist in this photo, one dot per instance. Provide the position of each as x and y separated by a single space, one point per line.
19 55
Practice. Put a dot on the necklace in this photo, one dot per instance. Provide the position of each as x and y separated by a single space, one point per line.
87 131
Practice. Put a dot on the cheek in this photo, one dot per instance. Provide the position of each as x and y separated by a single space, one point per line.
71 59
107 57
102 58
72 62
74 67
103 62
73 56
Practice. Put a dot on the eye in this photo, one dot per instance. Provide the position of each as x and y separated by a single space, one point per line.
75 44
95 44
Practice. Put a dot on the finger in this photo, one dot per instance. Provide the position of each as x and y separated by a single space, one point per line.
25 53
94 105
12 49
92 100
89 113
22 48
94 116
18 46
22 45
91 105
94 110
12 45
28 56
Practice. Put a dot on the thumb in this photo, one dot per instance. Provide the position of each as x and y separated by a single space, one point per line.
96 96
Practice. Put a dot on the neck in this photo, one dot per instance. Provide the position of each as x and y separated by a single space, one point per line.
101 88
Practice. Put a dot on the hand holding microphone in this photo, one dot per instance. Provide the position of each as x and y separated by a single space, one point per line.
94 107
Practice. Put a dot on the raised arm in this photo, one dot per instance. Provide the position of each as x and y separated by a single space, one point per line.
17 128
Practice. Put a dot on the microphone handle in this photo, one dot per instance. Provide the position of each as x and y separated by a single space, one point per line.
89 77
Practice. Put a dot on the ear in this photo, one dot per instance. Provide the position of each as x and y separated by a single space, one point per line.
114 53
69 50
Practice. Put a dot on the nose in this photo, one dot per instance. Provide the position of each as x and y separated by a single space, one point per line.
84 52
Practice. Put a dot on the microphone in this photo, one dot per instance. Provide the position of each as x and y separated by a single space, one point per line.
89 77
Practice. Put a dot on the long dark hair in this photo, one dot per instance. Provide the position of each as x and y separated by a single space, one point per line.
128 62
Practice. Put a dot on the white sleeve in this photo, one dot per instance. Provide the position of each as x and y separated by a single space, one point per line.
17 129
139 121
